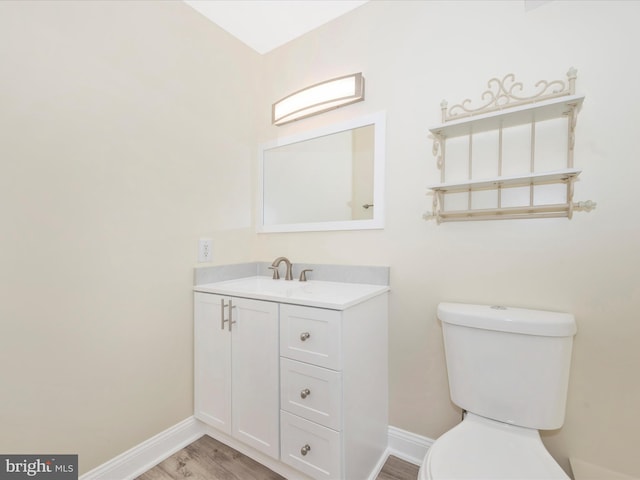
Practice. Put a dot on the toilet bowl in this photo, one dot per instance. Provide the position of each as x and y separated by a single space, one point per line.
484 449
508 368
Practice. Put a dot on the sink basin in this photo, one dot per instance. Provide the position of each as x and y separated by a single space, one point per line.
264 285
334 295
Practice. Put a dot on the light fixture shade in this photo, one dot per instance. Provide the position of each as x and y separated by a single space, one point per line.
319 98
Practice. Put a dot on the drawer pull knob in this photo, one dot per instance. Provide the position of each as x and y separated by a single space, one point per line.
306 449
304 336
305 393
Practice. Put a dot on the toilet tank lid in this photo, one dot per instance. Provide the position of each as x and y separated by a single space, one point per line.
508 319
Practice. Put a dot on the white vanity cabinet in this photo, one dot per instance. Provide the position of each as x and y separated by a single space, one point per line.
299 372
236 368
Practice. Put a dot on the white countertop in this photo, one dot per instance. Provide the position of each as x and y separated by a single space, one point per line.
314 293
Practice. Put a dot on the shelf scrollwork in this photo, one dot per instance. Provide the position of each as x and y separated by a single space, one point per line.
438 148
506 93
573 120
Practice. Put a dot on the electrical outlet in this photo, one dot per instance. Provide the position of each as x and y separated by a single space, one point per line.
204 250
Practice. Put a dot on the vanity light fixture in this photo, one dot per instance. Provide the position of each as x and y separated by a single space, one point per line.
319 98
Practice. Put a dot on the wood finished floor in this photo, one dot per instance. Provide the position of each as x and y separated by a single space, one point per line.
208 459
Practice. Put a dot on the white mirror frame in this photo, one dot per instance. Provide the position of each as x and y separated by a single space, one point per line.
377 222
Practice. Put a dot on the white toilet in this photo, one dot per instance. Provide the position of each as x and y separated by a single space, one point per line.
509 369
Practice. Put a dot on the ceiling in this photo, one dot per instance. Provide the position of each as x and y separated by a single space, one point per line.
266 24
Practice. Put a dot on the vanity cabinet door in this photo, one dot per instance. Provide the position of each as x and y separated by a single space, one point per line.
212 364
255 375
237 369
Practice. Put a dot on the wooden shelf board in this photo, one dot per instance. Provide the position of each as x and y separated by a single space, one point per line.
555 176
509 117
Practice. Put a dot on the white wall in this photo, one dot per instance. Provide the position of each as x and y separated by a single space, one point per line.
125 135
413 54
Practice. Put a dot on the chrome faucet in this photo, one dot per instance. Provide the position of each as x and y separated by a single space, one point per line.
275 267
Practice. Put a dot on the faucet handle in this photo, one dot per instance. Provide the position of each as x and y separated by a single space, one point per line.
276 273
303 274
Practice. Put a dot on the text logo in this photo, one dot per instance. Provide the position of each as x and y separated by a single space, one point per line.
39 467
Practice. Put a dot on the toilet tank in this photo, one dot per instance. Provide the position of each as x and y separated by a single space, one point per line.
508 364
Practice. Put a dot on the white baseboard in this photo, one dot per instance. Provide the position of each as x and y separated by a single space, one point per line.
408 446
132 463
149 453
584 471
378 468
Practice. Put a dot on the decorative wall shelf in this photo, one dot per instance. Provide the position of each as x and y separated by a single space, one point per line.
504 108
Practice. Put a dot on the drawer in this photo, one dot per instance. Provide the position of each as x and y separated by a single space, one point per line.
311 335
309 447
314 393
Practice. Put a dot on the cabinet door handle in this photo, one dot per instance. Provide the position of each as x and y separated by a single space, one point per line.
231 307
305 393
222 319
304 336
306 449
230 319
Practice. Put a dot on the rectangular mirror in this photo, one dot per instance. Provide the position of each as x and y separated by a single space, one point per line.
327 179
